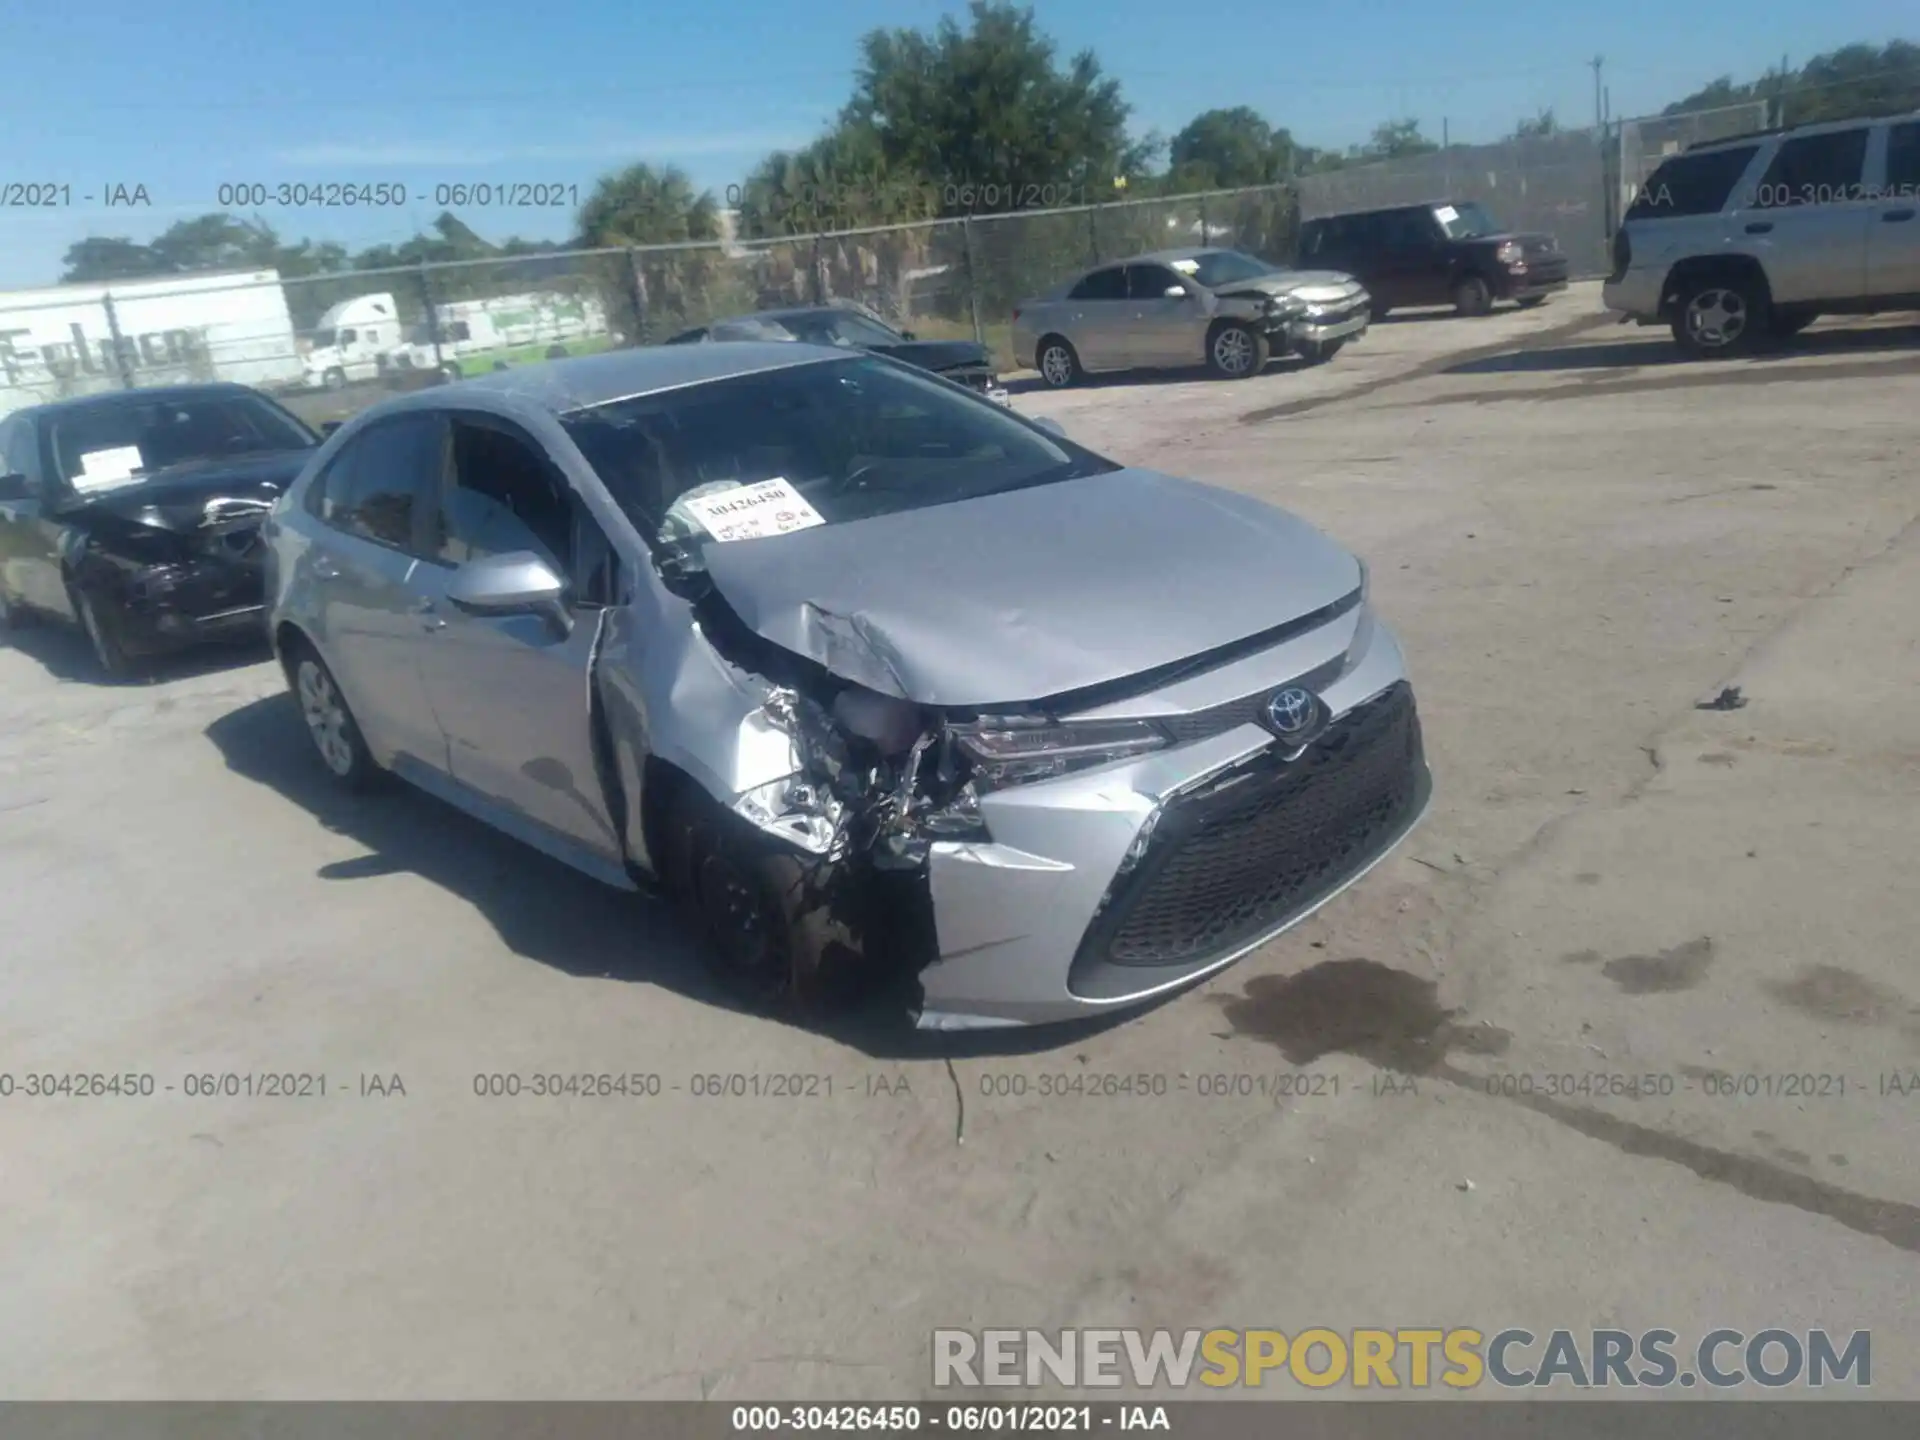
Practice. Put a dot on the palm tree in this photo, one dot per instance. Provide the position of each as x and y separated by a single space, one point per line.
641 206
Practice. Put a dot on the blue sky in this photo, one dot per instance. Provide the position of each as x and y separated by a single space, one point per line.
182 96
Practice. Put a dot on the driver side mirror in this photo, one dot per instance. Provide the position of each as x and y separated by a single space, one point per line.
327 427
908 335
16 487
517 583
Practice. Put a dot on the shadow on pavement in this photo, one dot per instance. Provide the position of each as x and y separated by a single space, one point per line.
62 651
1633 354
544 910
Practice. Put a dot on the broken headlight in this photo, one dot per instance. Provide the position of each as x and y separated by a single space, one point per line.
1014 752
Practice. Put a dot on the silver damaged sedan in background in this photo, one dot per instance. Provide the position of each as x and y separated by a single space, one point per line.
887 683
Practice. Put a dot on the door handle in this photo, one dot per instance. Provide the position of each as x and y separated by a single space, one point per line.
1760 227
1894 216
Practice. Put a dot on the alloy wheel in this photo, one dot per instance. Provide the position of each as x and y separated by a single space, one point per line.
1717 318
741 927
1056 365
1233 351
326 718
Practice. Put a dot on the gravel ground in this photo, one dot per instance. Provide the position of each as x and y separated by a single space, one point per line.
1578 543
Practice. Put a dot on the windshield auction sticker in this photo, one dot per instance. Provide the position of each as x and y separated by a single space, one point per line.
101 468
752 512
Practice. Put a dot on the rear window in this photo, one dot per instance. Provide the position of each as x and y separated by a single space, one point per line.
1692 184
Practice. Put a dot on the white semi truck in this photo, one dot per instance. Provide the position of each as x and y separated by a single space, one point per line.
69 340
362 338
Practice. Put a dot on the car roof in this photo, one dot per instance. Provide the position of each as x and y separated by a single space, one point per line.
562 386
110 399
1812 127
1388 209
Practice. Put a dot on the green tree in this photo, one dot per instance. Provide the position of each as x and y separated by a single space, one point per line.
104 257
1542 126
1395 138
1854 80
989 118
1227 149
645 205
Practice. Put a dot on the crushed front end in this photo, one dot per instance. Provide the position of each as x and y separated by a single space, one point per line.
174 575
1057 861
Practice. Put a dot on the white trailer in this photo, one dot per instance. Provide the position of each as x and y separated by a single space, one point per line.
69 340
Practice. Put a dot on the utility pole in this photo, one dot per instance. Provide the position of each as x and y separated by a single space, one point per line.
1598 117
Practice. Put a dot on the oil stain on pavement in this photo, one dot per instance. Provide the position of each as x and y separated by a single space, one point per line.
1394 1020
1681 968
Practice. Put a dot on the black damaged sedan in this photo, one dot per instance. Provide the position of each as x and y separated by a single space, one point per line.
136 515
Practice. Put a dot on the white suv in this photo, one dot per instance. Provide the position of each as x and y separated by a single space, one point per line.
1738 241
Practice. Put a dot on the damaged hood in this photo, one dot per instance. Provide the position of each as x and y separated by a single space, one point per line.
938 355
1014 598
1316 287
177 497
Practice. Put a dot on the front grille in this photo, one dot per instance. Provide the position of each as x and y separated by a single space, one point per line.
1232 714
1265 841
972 379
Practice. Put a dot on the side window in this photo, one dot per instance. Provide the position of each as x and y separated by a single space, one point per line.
503 495
380 484
349 335
1692 184
1814 170
1110 284
1903 160
1149 282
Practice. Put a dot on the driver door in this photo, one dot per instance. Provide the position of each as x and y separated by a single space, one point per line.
1165 330
29 534
512 692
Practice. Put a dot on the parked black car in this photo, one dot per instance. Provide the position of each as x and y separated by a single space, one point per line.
966 362
1450 252
136 514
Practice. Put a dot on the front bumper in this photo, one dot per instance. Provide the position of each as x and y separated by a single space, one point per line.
1052 920
1313 329
173 607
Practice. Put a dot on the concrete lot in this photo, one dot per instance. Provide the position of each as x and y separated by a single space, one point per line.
1578 542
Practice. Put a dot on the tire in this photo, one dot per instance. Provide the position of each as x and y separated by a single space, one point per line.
1471 296
450 371
103 635
1058 363
1721 315
1531 302
773 947
1320 352
556 352
334 379
1236 351
1785 324
329 722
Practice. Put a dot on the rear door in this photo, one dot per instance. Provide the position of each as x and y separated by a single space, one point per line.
512 693
374 500
1893 232
1163 329
1097 317
1808 217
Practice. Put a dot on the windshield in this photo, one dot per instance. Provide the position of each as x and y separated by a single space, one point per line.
816 444
844 327
324 339
120 440
1224 267
1465 222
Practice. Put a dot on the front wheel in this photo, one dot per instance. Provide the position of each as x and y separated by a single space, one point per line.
449 372
103 635
773 937
1720 317
330 724
1236 351
335 379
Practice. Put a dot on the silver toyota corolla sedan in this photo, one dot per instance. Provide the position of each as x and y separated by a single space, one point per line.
886 682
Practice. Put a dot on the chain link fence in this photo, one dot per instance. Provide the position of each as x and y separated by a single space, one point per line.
344 338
